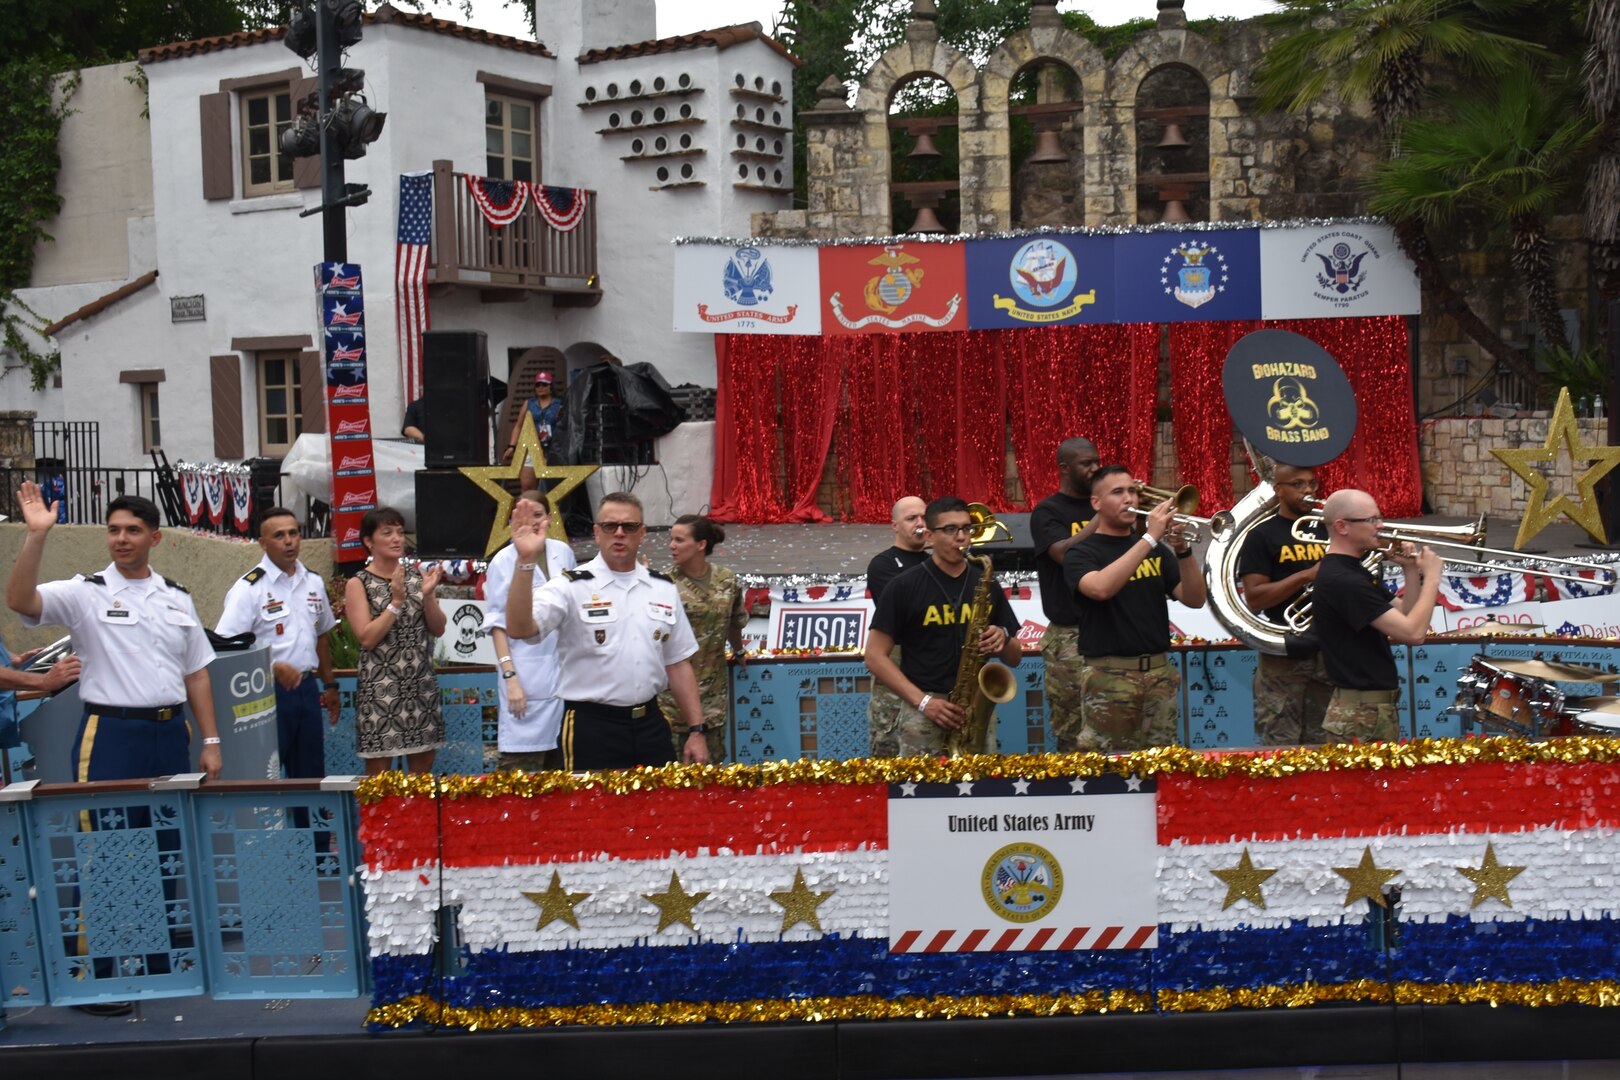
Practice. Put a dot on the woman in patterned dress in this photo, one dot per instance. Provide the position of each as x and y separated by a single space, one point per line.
713 599
395 616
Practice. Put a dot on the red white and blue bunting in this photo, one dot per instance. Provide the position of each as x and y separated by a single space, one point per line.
562 207
500 201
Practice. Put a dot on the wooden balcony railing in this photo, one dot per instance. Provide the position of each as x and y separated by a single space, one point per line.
526 256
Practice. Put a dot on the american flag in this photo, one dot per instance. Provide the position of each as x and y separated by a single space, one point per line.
410 276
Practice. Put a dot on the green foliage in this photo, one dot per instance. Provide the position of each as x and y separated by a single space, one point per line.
1584 371
1110 40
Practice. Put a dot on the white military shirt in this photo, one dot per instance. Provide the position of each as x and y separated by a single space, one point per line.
138 638
286 611
534 659
615 633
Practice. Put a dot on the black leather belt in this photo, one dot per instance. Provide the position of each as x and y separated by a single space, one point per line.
1128 663
155 713
615 712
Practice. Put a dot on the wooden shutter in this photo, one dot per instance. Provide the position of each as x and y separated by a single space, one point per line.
225 384
312 394
306 170
218 181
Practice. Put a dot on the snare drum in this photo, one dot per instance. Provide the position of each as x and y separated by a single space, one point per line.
1502 702
1602 721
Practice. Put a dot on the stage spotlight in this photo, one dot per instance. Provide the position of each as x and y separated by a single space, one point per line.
357 124
300 36
303 139
347 16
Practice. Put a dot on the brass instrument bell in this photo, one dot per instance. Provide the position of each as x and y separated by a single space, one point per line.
987 529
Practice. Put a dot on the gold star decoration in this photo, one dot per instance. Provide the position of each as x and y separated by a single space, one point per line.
799 903
1366 879
1243 882
1490 878
556 903
1539 513
491 479
675 906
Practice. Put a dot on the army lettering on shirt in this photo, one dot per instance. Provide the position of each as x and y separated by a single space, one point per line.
926 612
1136 620
1270 549
1056 518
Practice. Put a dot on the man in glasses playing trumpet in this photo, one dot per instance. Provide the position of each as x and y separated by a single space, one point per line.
1290 694
1356 619
1123 581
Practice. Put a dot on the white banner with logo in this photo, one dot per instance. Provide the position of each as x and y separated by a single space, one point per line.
753 289
1335 271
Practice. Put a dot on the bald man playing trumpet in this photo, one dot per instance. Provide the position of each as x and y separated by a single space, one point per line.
1356 619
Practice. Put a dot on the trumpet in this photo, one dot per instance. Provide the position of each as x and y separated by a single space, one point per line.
1185 500
987 528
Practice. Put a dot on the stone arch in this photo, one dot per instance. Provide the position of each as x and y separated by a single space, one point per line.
1149 53
920 55
1033 45
1160 98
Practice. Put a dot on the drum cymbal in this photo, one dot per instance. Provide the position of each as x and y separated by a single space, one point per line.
1550 672
1593 704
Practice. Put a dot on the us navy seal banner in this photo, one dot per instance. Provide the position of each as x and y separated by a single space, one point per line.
1015 865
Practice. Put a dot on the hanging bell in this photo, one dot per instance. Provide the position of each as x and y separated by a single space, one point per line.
927 221
1048 148
1175 212
925 147
1173 138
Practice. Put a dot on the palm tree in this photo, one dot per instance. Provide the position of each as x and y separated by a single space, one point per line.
1388 53
1603 184
1510 151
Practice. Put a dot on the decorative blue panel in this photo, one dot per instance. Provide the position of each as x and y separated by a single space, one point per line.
1022 726
275 896
1402 655
1435 667
784 711
470 726
1218 697
116 896
21 980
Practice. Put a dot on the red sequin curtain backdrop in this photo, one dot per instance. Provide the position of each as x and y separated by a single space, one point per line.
1100 382
1375 354
812 378
878 437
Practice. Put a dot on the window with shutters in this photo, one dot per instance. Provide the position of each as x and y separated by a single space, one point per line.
509 138
265 115
280 402
151 429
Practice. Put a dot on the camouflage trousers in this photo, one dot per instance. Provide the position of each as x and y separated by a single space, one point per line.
920 736
883 711
1367 721
714 723
1290 701
1060 653
1128 710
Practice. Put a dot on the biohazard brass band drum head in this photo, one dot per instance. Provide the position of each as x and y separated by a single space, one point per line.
1289 398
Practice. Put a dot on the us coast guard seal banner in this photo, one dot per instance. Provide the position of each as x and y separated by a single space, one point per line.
1209 273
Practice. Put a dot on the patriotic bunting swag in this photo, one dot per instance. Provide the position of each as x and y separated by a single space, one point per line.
500 201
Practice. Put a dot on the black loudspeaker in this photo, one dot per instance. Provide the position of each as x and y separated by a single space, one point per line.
453 515
1015 554
455 391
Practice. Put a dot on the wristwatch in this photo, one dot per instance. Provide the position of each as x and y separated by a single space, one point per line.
695 729
509 674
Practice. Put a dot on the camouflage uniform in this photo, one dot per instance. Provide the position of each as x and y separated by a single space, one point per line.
920 736
1128 710
1060 653
714 606
1290 699
1364 720
883 711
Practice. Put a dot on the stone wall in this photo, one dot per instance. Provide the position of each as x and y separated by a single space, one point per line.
16 439
1461 477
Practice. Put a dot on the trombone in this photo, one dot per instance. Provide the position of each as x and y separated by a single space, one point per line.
1185 500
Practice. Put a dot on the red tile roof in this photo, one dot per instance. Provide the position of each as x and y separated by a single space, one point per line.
723 38
384 14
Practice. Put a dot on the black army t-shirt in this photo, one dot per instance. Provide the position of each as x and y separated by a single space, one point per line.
926 612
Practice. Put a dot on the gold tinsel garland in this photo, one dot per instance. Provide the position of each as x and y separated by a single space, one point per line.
1169 759
423 1009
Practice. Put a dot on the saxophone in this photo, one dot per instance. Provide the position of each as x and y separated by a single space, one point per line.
980 686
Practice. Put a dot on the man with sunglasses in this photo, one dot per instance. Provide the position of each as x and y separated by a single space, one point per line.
926 610
1355 618
622 636
1290 693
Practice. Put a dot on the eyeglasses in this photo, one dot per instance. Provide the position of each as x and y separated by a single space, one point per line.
954 530
1374 520
1301 485
619 526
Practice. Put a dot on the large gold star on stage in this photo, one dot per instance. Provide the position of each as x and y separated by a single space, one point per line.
1490 878
675 906
491 477
1243 882
556 903
1539 512
1366 879
799 903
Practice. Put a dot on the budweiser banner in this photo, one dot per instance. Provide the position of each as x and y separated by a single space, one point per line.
341 307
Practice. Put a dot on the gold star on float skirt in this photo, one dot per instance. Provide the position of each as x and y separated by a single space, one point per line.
1366 879
1538 512
556 903
490 478
799 904
1490 878
1243 882
675 906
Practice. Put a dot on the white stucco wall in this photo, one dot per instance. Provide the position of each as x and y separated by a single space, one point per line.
251 258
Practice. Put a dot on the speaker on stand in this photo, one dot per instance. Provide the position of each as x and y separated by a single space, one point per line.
455 391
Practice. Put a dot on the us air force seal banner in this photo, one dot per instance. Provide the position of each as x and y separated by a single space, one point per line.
1040 280
1205 276
997 865
747 289
1289 397
1335 271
